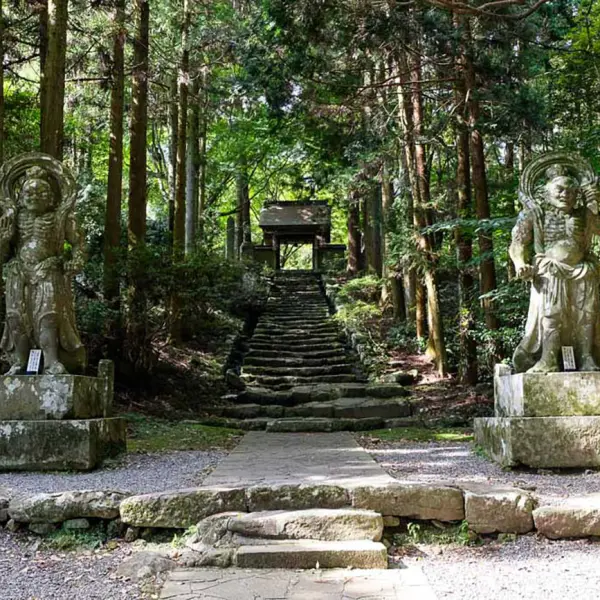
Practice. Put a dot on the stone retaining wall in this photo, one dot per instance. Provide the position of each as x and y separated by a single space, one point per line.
486 509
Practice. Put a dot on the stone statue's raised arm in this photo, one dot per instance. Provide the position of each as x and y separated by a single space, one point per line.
74 236
522 237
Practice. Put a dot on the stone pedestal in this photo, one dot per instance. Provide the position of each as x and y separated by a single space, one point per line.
58 422
543 420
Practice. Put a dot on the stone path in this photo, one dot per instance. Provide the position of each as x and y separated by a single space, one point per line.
243 584
297 458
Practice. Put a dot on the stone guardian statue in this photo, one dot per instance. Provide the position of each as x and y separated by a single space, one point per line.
41 248
552 247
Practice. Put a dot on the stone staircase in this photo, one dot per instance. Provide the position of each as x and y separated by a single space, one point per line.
294 539
296 342
299 373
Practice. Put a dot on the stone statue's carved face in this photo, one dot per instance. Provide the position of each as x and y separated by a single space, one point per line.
562 192
37 196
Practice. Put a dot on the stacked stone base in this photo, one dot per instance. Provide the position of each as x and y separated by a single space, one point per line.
543 420
75 445
541 442
58 422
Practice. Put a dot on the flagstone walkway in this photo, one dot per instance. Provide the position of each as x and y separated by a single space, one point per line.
274 459
297 458
336 584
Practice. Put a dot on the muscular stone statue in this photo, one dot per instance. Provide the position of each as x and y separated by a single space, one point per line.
559 220
42 249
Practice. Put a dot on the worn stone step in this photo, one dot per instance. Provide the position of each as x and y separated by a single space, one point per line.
307 554
249 411
307 339
296 308
322 425
298 371
283 361
324 524
296 299
286 381
310 554
350 408
341 408
287 346
285 354
296 314
275 328
297 332
294 318
298 323
294 395
294 305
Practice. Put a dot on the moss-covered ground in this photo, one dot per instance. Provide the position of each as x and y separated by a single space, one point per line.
151 434
421 434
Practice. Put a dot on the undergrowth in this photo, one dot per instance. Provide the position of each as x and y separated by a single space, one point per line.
428 533
65 540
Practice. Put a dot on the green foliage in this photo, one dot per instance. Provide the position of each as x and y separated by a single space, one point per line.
403 335
365 289
67 540
146 434
21 119
438 534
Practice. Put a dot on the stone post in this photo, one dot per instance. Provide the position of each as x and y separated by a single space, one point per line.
106 372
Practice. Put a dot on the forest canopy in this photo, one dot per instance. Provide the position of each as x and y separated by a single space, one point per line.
412 119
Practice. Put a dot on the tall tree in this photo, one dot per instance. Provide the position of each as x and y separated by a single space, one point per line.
112 224
436 347
487 268
173 148
180 178
353 225
192 170
464 246
53 78
137 350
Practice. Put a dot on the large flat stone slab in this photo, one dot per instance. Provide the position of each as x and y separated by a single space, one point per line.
38 397
296 496
63 506
312 524
264 584
541 442
307 554
414 500
495 509
79 445
546 394
182 508
576 517
275 459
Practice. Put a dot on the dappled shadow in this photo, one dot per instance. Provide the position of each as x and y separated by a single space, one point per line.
457 462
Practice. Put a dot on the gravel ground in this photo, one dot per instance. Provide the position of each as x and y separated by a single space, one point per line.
455 461
136 473
528 569
27 573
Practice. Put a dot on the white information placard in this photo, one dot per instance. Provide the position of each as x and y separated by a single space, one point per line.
35 359
568 358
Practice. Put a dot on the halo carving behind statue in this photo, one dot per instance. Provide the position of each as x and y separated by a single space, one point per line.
536 169
14 169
